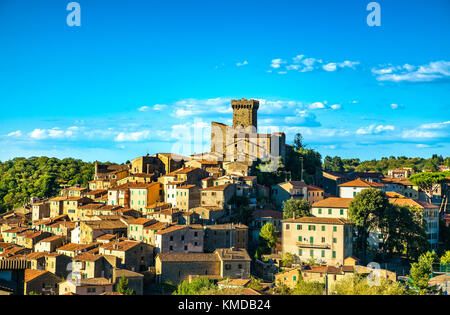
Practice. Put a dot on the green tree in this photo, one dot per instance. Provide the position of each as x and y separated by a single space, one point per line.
421 272
303 287
328 163
122 286
364 210
288 260
268 235
195 287
358 285
428 182
445 259
338 165
298 141
255 284
301 208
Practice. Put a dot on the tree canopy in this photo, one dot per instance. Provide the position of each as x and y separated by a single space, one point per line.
195 287
21 178
301 208
122 286
421 272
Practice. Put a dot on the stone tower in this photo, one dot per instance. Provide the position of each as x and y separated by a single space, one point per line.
245 113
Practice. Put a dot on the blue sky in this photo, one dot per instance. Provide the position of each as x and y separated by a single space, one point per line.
143 76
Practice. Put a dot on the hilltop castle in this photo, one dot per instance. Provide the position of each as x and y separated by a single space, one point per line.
241 142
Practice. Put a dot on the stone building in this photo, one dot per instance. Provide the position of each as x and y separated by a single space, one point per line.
225 236
241 142
327 240
224 262
180 239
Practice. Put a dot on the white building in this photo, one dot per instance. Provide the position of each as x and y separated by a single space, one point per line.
350 189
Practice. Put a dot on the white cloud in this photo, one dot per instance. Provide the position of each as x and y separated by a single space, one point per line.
240 64
330 67
133 136
414 133
180 113
144 109
159 107
441 125
348 64
38 134
17 133
410 73
276 63
335 106
374 129
301 63
317 105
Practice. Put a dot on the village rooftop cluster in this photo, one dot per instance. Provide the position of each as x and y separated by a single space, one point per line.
165 218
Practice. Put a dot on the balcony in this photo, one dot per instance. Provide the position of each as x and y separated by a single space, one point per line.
312 245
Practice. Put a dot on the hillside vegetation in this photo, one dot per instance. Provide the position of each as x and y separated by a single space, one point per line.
23 178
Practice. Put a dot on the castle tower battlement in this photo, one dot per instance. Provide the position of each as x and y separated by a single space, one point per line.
245 113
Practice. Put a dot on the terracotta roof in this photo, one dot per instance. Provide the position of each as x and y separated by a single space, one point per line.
127 273
105 224
171 229
94 281
157 226
440 279
51 238
398 181
112 293
207 208
142 185
323 269
314 188
106 237
234 254
393 194
191 257
333 202
33 274
87 257
186 186
361 183
318 220
217 188
185 170
142 221
96 192
120 246
35 255
30 234
407 202
71 247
